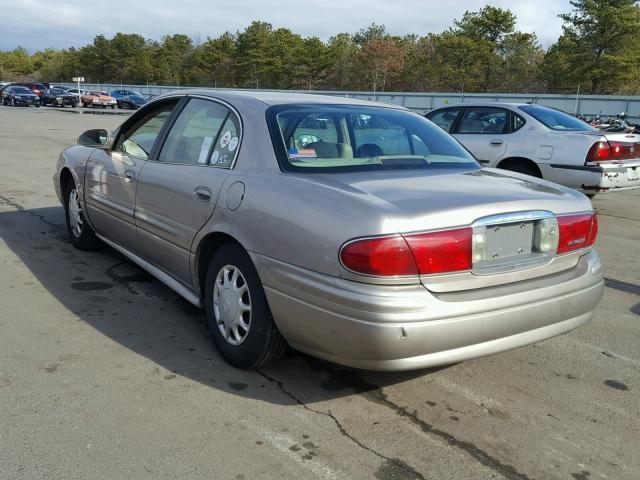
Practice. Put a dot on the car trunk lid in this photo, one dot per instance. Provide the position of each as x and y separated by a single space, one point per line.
503 206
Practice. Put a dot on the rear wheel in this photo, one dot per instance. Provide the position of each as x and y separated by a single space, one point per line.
521 166
237 311
80 232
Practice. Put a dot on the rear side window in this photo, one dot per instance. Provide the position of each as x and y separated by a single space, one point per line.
203 132
483 120
517 122
445 118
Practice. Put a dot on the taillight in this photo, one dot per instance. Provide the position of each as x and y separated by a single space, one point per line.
412 254
383 256
605 151
599 152
577 231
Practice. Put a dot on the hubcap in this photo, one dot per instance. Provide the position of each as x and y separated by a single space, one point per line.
232 305
75 213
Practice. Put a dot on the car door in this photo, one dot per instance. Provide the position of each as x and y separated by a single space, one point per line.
111 176
177 192
484 132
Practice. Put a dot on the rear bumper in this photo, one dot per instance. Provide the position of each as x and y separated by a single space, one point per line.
402 328
597 178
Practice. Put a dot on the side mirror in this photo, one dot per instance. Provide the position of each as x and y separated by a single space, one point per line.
97 137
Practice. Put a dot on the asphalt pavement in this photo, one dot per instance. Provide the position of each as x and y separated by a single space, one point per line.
107 374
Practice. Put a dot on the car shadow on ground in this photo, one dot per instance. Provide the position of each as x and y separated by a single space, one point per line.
130 307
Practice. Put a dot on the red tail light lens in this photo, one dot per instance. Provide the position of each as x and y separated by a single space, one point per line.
604 151
600 152
423 253
577 231
384 256
440 252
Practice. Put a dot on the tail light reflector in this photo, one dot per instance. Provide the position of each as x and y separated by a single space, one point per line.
440 252
412 254
577 231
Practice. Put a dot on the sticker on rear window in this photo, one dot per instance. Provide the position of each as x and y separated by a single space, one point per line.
226 138
233 144
302 153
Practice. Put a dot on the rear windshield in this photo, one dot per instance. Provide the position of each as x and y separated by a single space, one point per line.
335 138
555 119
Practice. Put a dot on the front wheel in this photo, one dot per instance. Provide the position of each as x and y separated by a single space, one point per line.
80 232
237 311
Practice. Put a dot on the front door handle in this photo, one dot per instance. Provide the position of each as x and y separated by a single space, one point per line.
129 176
497 141
202 194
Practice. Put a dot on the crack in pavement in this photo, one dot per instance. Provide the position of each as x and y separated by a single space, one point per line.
12 203
618 216
374 394
403 466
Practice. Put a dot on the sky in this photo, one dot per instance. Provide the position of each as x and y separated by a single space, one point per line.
38 24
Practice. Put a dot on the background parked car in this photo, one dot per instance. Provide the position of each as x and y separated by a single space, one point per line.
59 98
35 87
544 143
120 94
95 99
16 95
133 102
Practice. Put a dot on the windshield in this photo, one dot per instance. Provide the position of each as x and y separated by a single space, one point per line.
138 98
335 138
57 91
21 90
555 119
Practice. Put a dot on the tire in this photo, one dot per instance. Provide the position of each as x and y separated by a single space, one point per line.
83 238
113 107
261 343
522 167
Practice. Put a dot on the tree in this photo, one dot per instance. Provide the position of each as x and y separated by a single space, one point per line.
381 60
598 36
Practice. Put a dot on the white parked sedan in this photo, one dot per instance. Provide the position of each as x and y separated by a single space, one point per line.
545 143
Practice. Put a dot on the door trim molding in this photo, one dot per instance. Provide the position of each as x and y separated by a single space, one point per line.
165 278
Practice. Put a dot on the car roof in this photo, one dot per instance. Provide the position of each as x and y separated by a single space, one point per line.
486 104
281 98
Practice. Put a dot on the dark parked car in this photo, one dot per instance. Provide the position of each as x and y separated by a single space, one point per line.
133 102
16 95
35 87
59 98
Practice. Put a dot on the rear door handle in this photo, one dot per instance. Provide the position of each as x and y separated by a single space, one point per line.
202 194
497 141
129 176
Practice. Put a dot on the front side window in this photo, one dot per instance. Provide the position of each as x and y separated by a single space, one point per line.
204 132
483 120
555 119
138 139
445 118
333 138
